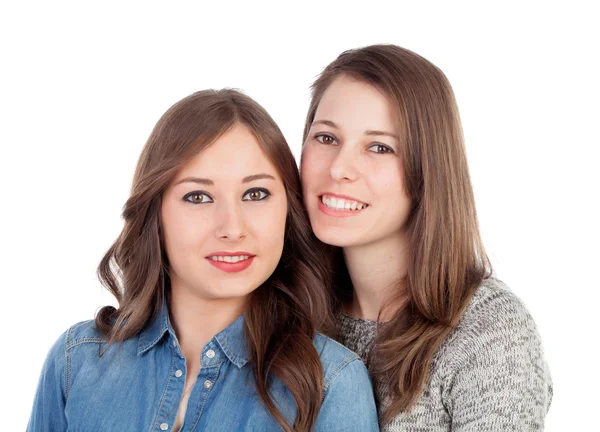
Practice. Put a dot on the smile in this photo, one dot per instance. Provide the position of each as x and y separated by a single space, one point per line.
337 203
337 206
231 262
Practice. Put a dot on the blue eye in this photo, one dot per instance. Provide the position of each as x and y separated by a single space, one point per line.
198 197
256 194
380 148
326 139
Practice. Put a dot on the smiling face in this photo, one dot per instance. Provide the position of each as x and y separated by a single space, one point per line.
352 176
223 219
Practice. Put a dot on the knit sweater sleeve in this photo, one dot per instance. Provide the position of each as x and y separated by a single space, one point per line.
498 378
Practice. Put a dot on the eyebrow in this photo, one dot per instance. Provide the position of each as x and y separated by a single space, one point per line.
260 176
209 182
368 132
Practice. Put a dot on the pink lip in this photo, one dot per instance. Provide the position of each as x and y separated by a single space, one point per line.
231 267
338 213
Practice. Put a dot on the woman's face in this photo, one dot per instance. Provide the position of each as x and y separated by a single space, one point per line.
223 219
352 176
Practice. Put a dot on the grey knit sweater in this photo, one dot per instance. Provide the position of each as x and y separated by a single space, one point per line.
488 375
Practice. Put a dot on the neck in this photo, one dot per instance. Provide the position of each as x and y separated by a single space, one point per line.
376 270
196 320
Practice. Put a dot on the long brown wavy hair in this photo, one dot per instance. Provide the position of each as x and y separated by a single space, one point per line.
446 258
136 268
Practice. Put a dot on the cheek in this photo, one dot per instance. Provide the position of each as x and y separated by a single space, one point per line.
387 181
395 195
314 164
269 229
184 232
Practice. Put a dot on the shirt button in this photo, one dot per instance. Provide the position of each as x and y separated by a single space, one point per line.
164 426
210 353
178 373
207 384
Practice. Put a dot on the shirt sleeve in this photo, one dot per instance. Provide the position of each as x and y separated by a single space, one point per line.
349 404
48 413
502 381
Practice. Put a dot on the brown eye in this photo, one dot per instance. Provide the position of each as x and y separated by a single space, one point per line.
325 139
380 148
198 198
257 194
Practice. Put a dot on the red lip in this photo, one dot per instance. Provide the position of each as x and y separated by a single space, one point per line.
223 253
232 267
338 213
347 197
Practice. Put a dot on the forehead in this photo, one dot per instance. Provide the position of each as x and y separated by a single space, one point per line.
356 104
236 154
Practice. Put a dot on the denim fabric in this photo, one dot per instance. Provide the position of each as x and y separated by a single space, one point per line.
136 386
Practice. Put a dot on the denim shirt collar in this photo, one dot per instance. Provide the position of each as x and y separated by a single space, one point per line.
231 340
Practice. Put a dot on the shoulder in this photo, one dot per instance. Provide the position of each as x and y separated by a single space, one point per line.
81 332
494 308
348 400
492 364
84 332
58 362
337 359
77 342
496 333
494 314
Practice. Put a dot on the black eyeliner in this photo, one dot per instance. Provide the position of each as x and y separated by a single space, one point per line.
198 192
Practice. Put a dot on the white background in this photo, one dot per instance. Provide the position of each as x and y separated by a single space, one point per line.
82 85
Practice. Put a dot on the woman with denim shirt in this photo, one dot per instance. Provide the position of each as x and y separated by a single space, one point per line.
220 285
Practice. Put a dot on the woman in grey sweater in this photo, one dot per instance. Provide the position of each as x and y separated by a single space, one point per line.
385 181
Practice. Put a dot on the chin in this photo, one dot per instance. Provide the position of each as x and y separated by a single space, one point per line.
229 290
334 236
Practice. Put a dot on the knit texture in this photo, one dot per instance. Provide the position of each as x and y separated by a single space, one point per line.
488 375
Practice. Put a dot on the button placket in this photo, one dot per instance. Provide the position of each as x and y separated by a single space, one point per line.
207 378
171 395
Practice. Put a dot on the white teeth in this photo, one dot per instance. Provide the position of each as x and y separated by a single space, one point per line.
342 204
229 259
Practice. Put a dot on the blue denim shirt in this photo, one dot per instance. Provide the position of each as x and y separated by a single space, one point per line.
137 386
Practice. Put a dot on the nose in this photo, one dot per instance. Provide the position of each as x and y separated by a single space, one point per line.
343 166
231 223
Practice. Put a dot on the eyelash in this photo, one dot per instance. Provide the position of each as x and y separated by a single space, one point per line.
264 191
387 148
188 197
319 137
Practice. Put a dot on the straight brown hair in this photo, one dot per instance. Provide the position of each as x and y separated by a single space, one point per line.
136 268
446 258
